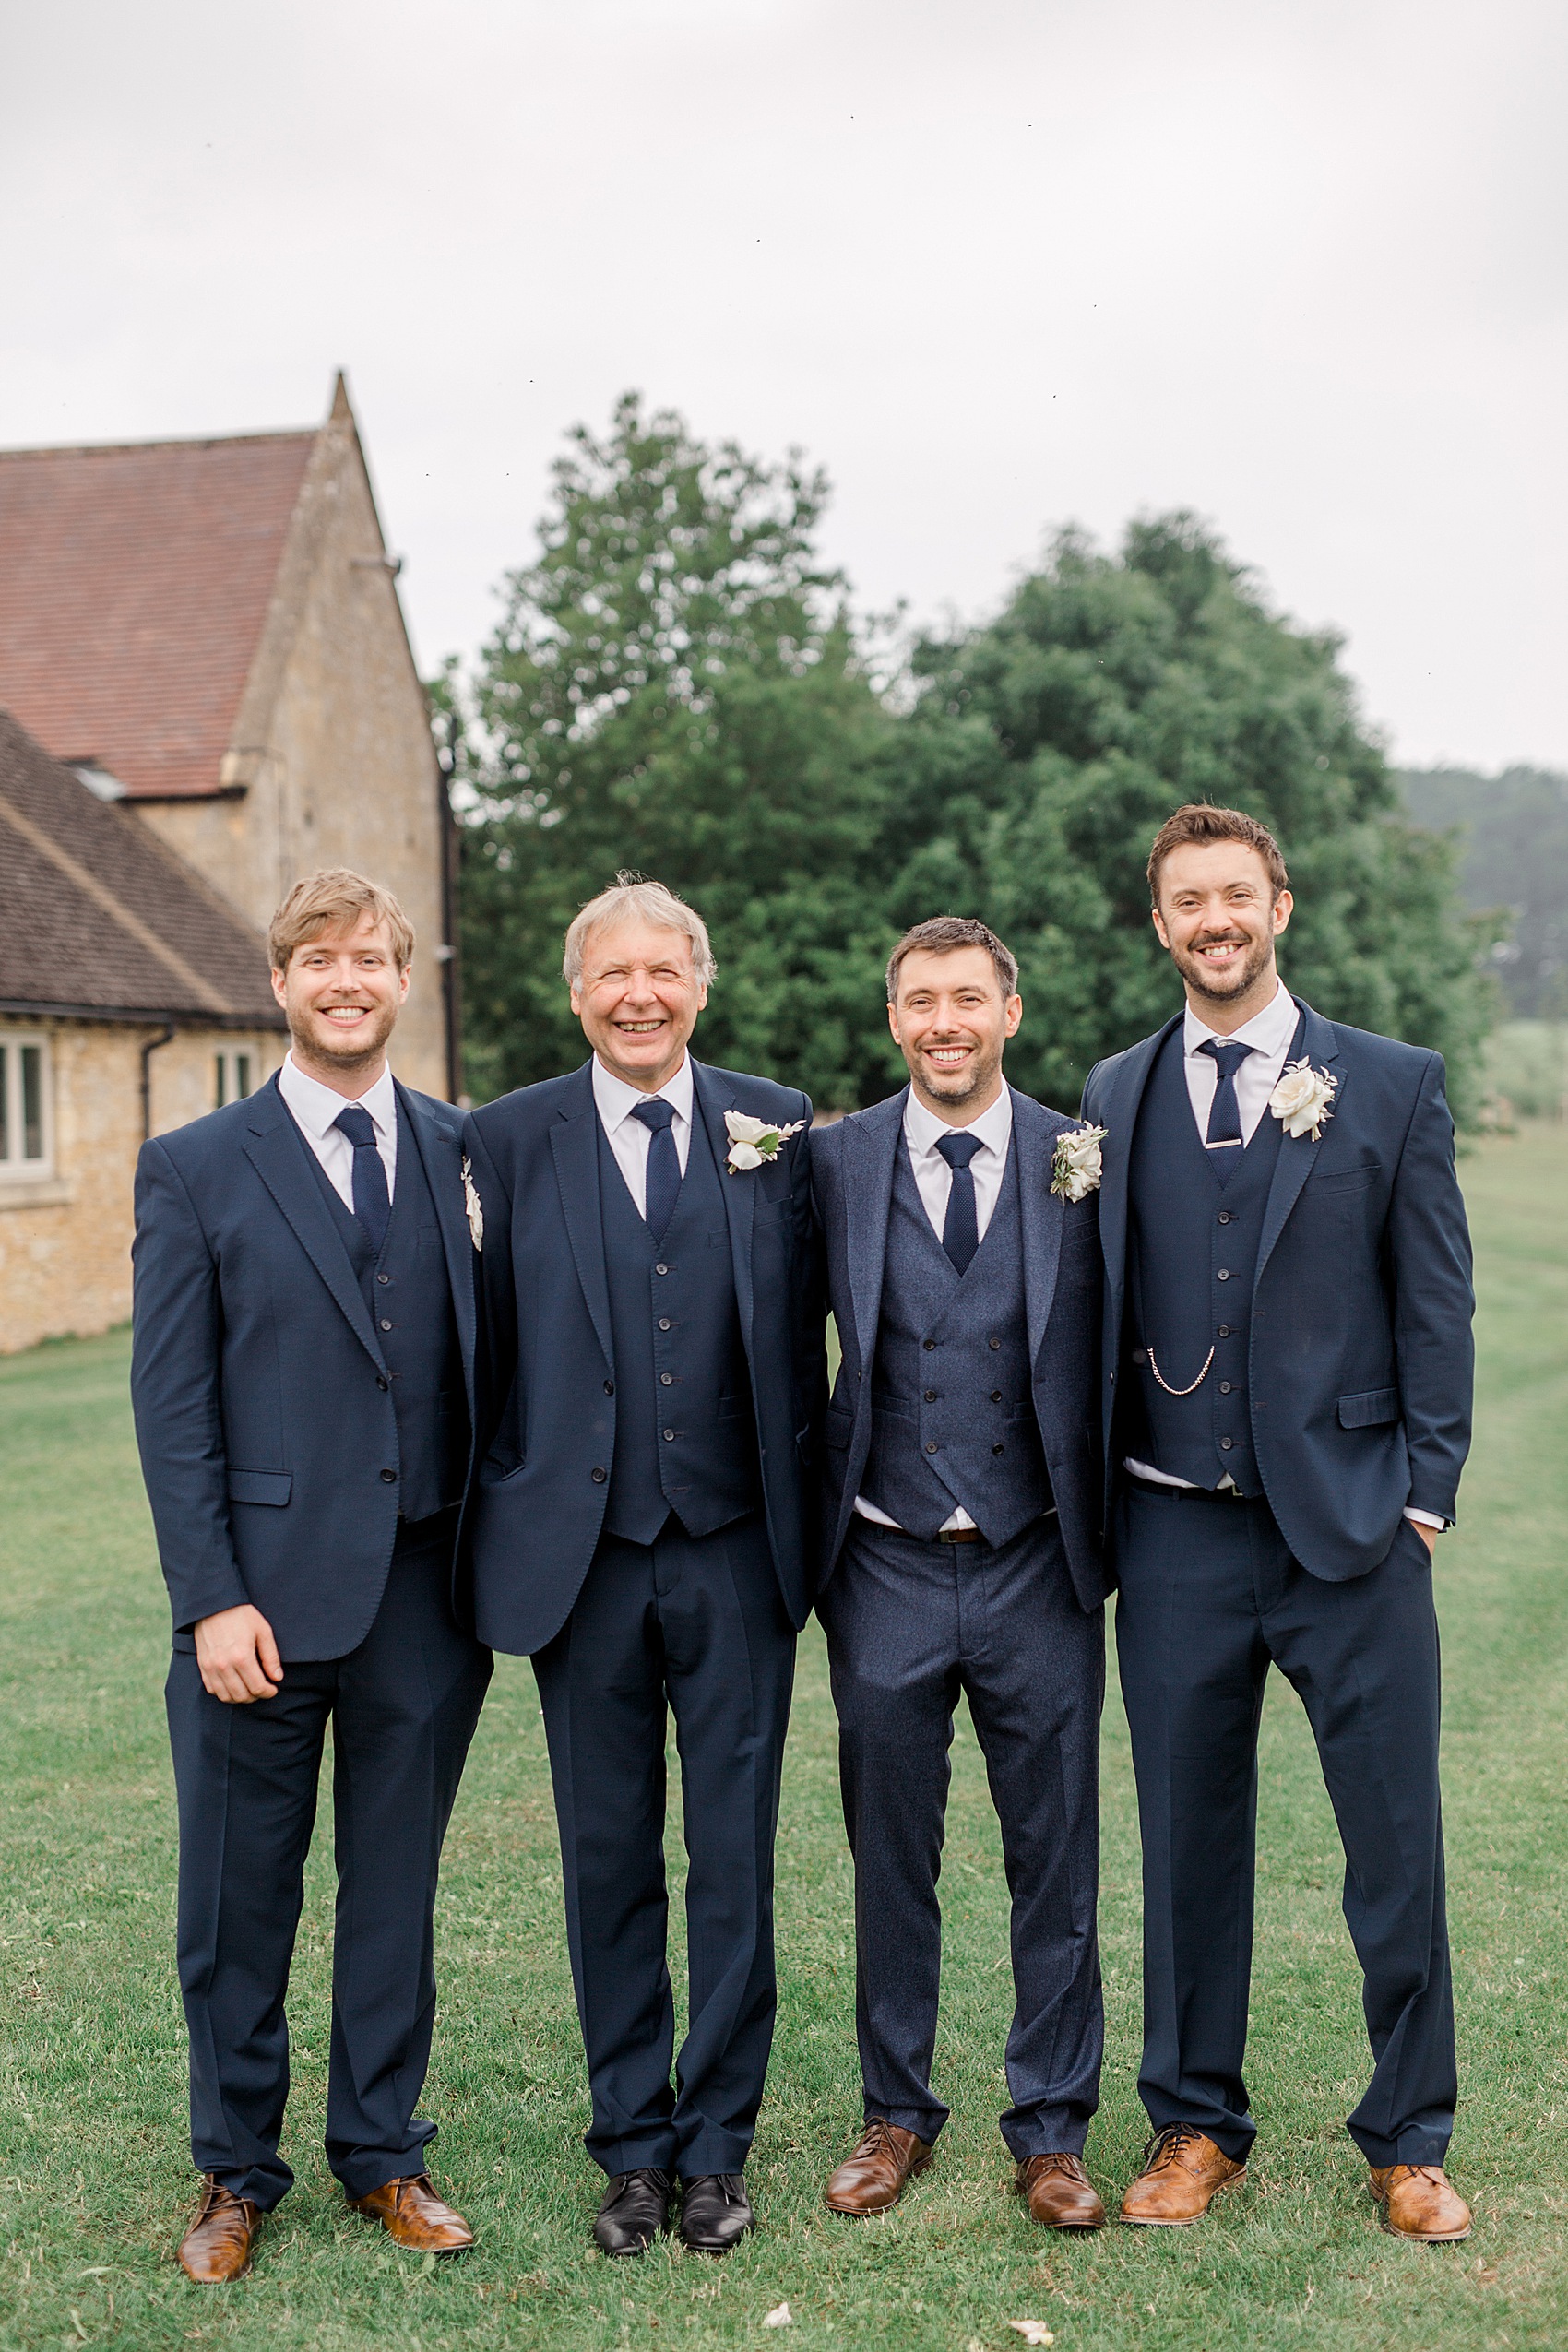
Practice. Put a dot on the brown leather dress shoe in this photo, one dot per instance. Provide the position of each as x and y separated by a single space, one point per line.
217 2245
1182 2173
1419 2201
413 2215
872 2176
1060 2193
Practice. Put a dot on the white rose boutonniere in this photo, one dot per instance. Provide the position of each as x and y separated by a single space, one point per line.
753 1143
1075 1166
473 1204
1303 1100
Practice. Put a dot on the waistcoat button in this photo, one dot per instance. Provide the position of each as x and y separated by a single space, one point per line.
1223 1274
931 1397
930 1446
669 1437
1225 1331
1226 1443
661 1269
598 1477
664 1322
996 1396
384 1277
996 1449
928 1343
994 1343
388 1478
385 1324
1225 1388
1225 1217
667 1380
609 1388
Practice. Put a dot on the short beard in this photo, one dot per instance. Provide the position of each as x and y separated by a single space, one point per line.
974 1080
360 1057
1246 974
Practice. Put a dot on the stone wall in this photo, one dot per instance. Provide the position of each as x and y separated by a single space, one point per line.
65 1236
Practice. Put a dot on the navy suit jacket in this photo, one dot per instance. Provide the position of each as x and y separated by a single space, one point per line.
1360 1360
263 1402
852 1165
547 1410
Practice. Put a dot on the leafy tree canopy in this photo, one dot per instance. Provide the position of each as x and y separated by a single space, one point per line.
677 688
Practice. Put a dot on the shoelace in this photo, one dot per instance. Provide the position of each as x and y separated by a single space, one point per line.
1166 2146
876 2138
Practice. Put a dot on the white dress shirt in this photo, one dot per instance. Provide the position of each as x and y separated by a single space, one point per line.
933 1181
629 1139
316 1106
1269 1033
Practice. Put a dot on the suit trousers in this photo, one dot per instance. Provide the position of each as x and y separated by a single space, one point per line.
694 1627
402 1706
1210 1598
909 1625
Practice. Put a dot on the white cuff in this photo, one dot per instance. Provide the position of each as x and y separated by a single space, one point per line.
1429 1519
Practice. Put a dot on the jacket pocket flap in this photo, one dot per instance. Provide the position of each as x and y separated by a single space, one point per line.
1372 1405
836 1430
260 1486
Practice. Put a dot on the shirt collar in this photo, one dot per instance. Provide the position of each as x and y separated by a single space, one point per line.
616 1100
316 1106
1268 1032
923 1130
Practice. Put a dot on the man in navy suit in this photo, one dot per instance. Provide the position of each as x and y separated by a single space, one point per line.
303 1378
961 1510
1287 1409
655 1377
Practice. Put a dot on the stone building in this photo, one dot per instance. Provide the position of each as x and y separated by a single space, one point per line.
207 637
131 997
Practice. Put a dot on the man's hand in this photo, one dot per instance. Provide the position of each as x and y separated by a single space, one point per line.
237 1656
1428 1535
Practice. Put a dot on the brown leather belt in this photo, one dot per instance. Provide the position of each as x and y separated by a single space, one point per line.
959 1535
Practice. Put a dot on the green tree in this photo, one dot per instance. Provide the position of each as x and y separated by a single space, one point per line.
1046 749
676 689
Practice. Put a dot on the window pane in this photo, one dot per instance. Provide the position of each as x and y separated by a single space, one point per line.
242 1075
33 1102
220 1097
5 1102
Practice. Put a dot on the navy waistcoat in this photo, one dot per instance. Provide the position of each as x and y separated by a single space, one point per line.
408 1292
953 1417
1192 1249
685 1432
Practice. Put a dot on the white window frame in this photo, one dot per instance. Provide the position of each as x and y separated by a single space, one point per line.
14 1169
226 1073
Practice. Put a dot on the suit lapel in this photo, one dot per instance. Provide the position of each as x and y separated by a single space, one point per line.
1320 1044
1041 1213
1120 1117
276 1149
711 1098
574 1141
871 1144
439 1145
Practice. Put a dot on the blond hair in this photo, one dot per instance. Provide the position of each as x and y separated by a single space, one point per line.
336 900
635 899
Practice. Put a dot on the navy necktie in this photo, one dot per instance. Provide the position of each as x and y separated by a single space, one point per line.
960 1227
662 1186
1225 1144
372 1205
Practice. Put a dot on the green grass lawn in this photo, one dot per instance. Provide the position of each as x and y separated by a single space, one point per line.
94 2170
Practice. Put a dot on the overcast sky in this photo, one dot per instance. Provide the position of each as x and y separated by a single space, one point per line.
997 264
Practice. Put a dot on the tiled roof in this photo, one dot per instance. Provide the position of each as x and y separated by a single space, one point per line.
134 583
97 914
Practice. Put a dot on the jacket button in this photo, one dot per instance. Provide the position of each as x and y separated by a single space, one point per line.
609 1388
598 1477
661 1269
667 1380
385 1324
383 1279
931 1397
381 1381
1223 1274
1225 1217
996 1396
388 1478
996 1449
664 1322
930 1446
669 1437
1226 1443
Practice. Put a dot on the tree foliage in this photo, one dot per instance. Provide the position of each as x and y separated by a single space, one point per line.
677 688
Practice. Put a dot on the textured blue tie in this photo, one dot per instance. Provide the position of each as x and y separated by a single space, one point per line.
960 1227
372 1205
1225 1144
662 1188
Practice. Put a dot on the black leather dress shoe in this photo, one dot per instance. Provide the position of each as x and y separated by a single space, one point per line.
635 2208
715 2211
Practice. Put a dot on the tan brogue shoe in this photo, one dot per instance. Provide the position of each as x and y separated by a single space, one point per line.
217 2245
413 2215
872 2176
1060 2193
1419 2201
1182 2173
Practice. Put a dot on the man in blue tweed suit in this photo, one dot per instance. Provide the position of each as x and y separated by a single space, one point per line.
1287 1409
961 1523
